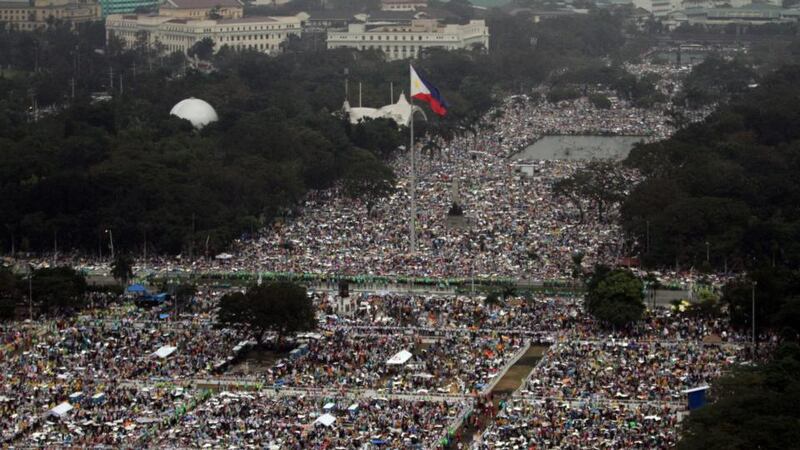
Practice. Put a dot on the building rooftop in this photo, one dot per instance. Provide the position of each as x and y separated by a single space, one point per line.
391 16
328 14
250 19
190 4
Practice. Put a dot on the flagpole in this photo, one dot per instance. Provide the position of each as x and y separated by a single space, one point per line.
412 182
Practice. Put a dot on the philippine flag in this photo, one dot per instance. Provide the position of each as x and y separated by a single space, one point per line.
421 89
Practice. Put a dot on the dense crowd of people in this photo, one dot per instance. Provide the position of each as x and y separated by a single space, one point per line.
541 315
525 423
104 366
645 371
66 354
107 414
457 363
258 420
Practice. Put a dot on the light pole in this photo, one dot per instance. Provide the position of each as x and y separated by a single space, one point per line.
30 291
111 242
754 317
708 253
473 278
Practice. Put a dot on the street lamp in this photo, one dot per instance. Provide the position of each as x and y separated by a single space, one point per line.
754 317
708 253
111 240
30 291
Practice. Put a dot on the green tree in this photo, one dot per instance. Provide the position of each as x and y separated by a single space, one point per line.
577 265
775 292
716 79
368 179
281 307
202 49
59 289
9 293
600 181
729 181
381 136
615 296
600 101
122 268
753 407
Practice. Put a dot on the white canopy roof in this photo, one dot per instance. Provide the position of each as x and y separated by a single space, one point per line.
400 358
164 351
196 111
326 419
61 409
400 112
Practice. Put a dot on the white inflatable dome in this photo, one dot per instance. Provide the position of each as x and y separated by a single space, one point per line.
196 111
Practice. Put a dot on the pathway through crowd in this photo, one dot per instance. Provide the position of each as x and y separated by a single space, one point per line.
489 406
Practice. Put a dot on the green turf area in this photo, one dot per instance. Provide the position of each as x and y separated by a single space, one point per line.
490 3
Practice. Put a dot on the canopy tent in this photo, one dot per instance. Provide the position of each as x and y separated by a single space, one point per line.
326 419
61 409
400 358
136 289
224 256
696 397
164 351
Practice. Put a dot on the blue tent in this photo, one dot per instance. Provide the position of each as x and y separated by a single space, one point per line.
136 289
696 397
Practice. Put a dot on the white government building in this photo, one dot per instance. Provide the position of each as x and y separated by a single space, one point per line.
181 23
405 41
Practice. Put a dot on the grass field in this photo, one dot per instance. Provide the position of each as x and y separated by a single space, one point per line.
11 73
489 3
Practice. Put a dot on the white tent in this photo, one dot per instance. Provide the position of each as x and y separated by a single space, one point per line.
164 351
400 358
225 256
326 419
61 409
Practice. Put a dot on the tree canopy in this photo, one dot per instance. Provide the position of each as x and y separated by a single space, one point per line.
58 289
614 297
122 268
754 407
777 301
730 181
280 307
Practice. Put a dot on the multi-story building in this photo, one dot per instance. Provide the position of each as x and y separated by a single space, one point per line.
127 6
406 41
660 8
403 5
263 34
742 17
33 14
202 9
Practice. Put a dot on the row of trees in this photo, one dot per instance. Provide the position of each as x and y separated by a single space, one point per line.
724 193
59 290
